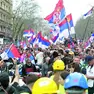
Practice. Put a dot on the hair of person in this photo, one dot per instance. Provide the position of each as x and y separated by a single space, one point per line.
64 74
39 49
55 54
87 50
75 90
76 67
4 80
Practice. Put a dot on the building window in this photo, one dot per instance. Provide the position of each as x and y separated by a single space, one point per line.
1 4
4 17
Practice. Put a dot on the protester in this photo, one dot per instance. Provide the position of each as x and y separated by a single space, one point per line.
45 66
39 57
28 67
14 88
90 74
56 62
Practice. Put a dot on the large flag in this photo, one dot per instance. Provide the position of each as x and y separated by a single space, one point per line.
88 13
28 33
66 27
58 14
11 52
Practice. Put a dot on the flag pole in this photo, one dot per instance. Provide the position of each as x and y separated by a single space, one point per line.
69 29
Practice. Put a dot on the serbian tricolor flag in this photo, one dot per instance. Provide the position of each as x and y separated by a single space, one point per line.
45 42
11 52
54 39
28 33
42 42
54 30
66 26
32 39
58 14
88 13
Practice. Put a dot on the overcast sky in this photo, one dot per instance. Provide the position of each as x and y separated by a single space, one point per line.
76 7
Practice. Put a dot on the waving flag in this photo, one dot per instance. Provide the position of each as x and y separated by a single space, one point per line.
12 52
43 42
65 25
54 39
88 13
58 14
54 30
28 33
32 39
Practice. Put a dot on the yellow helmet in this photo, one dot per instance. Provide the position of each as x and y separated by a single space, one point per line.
44 86
58 65
71 52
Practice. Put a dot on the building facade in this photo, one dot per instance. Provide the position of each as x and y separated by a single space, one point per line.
5 19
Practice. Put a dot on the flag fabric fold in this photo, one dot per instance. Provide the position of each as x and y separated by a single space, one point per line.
89 13
66 26
28 33
32 39
11 52
54 39
43 42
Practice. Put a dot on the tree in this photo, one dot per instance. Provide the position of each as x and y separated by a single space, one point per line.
84 27
26 16
25 10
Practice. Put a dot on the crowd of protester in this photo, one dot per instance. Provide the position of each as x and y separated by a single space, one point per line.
63 68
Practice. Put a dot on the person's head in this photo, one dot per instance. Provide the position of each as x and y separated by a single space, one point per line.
28 61
44 86
58 65
87 51
76 67
89 60
75 83
30 80
39 49
76 59
4 80
55 54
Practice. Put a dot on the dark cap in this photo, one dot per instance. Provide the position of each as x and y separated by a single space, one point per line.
88 58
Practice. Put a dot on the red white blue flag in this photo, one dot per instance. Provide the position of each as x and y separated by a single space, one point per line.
58 14
88 13
28 33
